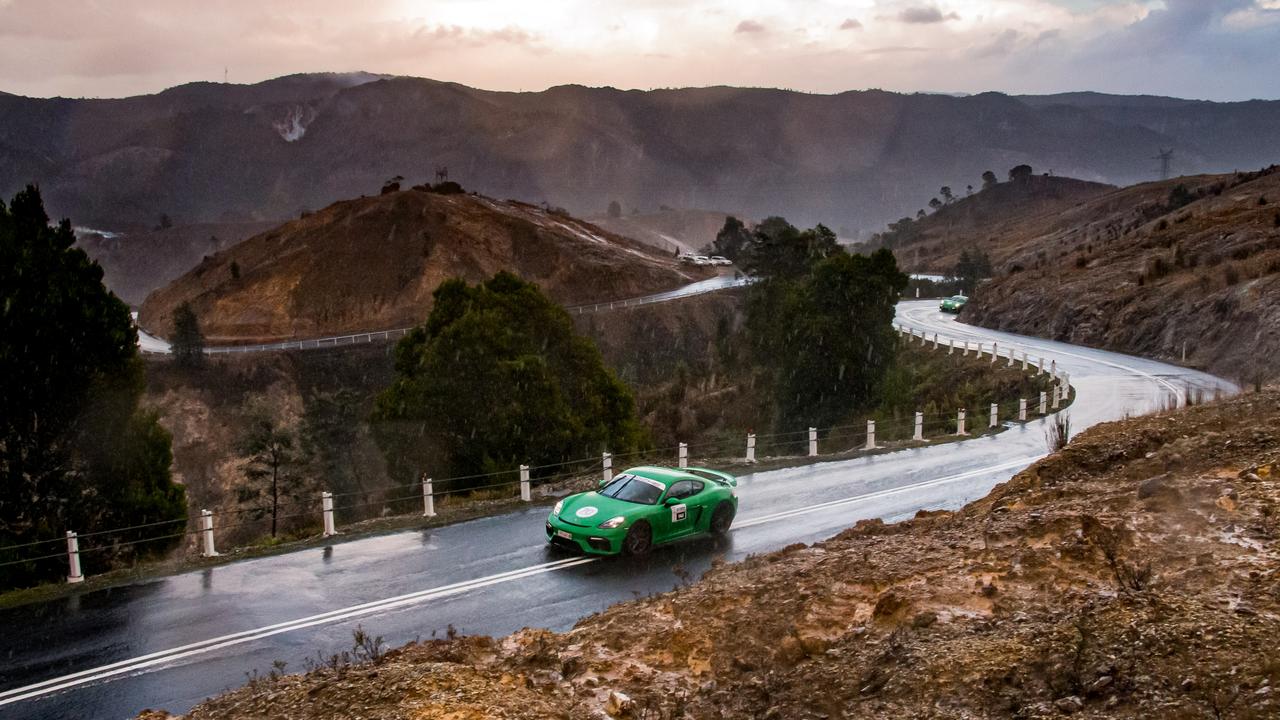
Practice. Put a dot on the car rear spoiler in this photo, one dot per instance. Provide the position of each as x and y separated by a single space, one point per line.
723 478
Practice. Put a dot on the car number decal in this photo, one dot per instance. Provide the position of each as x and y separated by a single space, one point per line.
586 512
565 535
679 512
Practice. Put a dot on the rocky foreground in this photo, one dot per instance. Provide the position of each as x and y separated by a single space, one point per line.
1134 574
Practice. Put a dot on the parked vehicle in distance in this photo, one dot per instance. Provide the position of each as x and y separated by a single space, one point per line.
720 260
953 304
644 507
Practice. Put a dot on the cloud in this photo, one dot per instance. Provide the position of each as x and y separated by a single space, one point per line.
925 15
1001 45
850 24
750 26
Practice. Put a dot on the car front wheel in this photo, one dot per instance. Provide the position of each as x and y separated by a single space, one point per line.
639 540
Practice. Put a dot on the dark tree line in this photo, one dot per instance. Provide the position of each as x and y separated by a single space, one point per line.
76 451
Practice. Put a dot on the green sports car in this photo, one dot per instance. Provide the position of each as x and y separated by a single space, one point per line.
953 303
643 507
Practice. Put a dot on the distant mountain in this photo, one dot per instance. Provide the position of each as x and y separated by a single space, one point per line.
207 152
373 263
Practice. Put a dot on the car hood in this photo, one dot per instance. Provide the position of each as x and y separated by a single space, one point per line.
592 508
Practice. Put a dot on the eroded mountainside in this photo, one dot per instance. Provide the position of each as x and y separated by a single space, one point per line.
1133 573
372 263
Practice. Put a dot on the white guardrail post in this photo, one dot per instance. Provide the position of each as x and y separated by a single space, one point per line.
206 534
73 559
428 498
1040 366
995 413
1057 396
1044 403
1066 386
684 455
960 423
995 352
951 346
326 508
1022 409
966 348
935 341
526 491
871 435
751 447
1012 352
1024 360
919 433
607 463
813 442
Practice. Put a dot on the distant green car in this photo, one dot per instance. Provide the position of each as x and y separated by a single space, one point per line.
953 303
643 507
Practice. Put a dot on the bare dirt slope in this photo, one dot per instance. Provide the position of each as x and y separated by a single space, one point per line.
372 263
1133 575
1139 271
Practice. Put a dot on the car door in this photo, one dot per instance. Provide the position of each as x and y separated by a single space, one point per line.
681 518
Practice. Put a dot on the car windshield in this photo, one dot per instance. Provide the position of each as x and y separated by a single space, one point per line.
959 298
633 488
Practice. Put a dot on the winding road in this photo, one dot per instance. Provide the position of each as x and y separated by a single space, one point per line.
169 642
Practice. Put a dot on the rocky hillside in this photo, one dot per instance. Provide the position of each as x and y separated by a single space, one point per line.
1151 269
995 220
372 263
1132 575
208 152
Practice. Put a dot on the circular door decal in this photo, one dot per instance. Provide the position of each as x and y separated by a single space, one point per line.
586 512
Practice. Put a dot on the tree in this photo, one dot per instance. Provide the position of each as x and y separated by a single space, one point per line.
779 250
921 214
947 196
935 203
615 209
970 268
188 341
496 378
968 191
391 185
1020 173
273 454
825 337
989 180
165 223
732 240
75 452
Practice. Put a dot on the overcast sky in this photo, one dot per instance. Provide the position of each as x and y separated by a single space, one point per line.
1214 49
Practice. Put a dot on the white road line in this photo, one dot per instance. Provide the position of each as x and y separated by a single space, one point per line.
164 656
1019 463
152 660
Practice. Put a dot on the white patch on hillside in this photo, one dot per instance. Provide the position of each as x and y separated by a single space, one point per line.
294 125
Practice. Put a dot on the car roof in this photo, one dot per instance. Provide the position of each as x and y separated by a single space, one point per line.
664 475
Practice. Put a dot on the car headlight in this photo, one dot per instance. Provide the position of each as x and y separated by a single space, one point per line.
612 523
556 510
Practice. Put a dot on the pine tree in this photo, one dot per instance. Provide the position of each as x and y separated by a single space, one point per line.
188 341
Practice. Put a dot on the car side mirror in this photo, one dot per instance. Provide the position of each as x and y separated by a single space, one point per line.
672 501
603 482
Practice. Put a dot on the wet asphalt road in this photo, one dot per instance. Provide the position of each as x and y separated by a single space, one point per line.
495 575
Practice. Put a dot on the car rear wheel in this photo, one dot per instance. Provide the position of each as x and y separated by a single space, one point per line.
639 540
722 518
